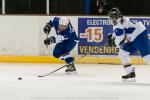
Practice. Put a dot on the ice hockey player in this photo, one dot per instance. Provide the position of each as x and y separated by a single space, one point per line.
128 37
66 39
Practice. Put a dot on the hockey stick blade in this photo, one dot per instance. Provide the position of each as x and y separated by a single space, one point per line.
53 71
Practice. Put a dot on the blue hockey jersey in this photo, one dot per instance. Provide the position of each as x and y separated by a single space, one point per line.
69 33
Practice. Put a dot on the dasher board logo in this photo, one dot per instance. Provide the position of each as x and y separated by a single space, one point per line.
93 34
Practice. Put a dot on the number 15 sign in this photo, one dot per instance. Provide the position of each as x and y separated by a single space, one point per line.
92 34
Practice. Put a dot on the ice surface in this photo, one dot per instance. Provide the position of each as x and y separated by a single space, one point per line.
92 82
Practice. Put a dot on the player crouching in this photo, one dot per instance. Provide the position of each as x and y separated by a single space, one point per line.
65 40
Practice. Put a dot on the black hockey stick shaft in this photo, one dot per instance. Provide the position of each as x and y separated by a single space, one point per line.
53 71
61 67
47 38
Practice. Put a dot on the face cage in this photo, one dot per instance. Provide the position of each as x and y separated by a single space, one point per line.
112 21
63 27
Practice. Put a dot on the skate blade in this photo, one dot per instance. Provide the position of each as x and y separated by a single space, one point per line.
129 80
71 73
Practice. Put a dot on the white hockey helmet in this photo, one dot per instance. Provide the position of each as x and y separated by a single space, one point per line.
63 21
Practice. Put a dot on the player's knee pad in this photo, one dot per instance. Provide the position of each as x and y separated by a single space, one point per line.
147 59
124 57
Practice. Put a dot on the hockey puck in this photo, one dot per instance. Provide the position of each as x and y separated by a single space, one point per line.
19 78
40 76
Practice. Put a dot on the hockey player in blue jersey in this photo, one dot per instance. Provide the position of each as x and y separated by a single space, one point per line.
129 37
65 40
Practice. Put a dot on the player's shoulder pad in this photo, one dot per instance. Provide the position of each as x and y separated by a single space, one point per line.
55 19
126 19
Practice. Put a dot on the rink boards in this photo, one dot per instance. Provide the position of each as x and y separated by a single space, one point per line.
22 39
85 60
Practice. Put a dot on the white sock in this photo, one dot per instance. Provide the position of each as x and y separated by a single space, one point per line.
128 68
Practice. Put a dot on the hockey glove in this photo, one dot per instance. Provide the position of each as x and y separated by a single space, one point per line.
50 40
111 40
125 41
47 27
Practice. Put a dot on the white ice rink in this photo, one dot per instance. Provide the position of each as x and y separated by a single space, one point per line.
93 82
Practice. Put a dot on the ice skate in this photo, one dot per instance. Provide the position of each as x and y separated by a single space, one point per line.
129 77
70 69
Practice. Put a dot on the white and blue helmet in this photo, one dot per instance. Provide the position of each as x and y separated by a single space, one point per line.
63 21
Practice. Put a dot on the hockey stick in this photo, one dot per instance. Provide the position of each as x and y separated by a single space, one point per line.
61 67
83 56
47 45
53 71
